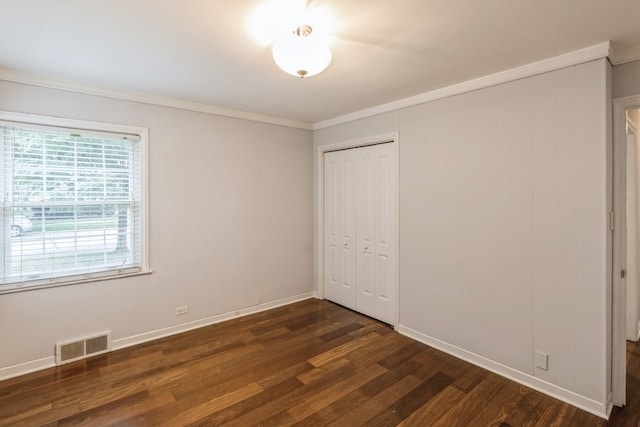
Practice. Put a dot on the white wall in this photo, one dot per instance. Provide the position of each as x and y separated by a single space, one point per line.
633 229
626 82
230 228
626 79
504 244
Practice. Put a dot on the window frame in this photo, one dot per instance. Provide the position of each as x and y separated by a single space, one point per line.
142 134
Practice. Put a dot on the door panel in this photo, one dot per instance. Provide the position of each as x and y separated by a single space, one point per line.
365 277
633 240
340 230
331 224
385 228
360 218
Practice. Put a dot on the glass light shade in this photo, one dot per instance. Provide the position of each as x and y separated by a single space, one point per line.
301 56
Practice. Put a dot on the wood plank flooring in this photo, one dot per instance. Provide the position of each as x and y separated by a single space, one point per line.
312 363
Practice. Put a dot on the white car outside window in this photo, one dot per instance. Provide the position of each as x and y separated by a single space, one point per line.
21 224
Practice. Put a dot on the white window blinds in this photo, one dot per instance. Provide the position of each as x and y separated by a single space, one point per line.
72 205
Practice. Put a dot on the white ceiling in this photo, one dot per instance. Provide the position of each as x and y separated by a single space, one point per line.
383 50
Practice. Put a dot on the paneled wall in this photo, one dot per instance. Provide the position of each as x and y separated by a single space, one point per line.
504 244
230 229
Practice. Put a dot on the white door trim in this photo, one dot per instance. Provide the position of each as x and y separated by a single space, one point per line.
619 291
319 244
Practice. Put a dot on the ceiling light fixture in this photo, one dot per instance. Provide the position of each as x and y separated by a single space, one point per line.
301 54
298 33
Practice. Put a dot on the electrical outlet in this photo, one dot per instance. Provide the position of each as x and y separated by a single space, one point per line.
182 310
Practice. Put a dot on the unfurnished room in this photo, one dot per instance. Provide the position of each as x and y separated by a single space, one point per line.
320 212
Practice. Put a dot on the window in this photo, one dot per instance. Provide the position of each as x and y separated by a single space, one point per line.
73 201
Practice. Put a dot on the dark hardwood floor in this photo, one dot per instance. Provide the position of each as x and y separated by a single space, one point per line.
312 363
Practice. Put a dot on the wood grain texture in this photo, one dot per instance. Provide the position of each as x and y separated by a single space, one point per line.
312 363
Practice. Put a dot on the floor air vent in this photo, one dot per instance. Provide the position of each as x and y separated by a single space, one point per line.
70 351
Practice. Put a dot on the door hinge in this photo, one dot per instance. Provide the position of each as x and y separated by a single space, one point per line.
612 223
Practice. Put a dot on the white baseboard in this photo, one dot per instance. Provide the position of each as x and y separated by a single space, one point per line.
48 362
596 408
27 367
184 327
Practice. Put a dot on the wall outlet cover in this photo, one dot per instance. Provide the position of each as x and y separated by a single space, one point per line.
542 360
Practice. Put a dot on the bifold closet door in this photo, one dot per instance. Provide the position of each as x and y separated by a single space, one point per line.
376 207
340 227
360 230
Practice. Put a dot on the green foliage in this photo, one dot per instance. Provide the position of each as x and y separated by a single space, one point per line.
59 167
74 188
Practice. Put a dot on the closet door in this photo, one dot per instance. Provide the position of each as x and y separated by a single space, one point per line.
340 227
376 259
360 230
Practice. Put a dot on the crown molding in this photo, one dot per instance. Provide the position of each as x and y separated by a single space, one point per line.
598 51
622 56
38 80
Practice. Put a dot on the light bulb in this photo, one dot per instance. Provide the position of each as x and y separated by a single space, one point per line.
301 54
